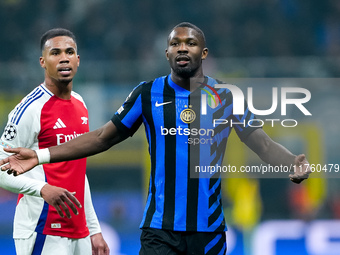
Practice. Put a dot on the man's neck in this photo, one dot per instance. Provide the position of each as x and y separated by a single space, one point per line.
61 90
186 83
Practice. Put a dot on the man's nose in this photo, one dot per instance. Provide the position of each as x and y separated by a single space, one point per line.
183 47
64 57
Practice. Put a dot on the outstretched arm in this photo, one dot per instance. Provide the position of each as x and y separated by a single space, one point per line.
83 146
87 145
275 154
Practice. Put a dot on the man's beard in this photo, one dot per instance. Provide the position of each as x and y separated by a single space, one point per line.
185 72
65 81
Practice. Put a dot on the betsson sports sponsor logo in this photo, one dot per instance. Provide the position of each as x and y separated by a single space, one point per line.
204 135
195 135
187 131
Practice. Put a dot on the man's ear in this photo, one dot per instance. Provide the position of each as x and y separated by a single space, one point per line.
42 62
204 53
166 54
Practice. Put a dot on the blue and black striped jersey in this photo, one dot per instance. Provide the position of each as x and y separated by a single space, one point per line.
182 135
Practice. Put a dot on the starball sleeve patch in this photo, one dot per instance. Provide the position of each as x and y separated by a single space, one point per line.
10 132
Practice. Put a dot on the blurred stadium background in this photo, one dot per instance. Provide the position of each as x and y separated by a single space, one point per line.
122 43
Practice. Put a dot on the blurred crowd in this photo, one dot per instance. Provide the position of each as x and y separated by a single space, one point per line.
125 30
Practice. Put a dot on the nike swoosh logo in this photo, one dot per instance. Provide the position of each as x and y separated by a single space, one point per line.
159 104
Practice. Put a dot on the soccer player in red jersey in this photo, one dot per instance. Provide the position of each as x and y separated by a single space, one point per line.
50 115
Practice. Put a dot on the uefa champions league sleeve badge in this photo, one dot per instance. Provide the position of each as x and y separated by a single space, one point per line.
10 132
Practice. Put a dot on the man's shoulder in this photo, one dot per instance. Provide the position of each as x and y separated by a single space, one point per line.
145 86
77 96
32 103
151 82
38 94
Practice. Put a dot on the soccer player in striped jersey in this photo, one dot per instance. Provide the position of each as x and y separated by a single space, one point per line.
183 215
50 115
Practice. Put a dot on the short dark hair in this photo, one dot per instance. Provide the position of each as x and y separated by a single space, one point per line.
54 33
190 25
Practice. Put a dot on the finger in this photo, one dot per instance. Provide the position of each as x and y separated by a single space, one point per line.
16 172
3 161
12 150
5 166
300 158
96 251
292 176
59 211
74 199
101 250
66 210
72 205
295 176
296 180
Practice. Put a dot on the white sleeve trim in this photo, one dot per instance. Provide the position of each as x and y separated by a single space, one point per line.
91 217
